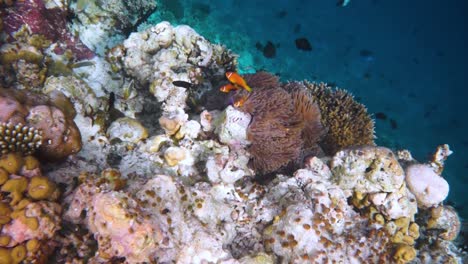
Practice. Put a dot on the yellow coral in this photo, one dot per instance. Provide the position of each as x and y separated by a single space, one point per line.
5 257
404 253
18 253
5 212
32 245
31 163
3 176
4 240
11 162
40 188
15 187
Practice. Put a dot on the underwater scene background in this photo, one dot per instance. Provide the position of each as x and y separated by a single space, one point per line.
234 132
405 60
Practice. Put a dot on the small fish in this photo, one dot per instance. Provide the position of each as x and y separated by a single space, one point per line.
82 64
228 87
236 79
343 2
240 102
183 84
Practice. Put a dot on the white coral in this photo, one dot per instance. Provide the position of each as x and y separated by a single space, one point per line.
429 188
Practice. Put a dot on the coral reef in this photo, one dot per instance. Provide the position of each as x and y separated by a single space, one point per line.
163 54
102 25
346 120
48 21
316 215
29 213
165 170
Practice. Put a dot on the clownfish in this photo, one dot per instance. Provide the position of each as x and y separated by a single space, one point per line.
236 79
240 102
228 87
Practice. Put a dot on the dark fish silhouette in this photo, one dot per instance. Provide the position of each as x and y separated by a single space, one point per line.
303 44
182 84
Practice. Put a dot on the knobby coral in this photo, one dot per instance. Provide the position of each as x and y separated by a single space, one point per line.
19 138
347 121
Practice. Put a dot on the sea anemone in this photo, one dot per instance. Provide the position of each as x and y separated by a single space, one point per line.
346 120
285 122
275 130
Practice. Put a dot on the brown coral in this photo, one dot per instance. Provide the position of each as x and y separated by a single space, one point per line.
61 136
31 112
283 124
347 121
19 138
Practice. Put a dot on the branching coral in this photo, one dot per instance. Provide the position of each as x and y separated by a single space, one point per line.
347 121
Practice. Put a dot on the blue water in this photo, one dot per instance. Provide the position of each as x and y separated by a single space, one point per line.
405 59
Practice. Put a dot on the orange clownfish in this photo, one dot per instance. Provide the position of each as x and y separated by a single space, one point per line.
236 79
240 102
228 87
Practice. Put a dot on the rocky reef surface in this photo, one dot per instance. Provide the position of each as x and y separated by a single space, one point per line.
123 149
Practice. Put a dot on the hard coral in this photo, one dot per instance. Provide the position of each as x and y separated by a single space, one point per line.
61 136
31 119
285 122
347 121
19 138
28 213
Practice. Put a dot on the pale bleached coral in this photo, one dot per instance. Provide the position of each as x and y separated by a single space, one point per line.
233 127
314 222
429 188
127 129
162 54
368 169
102 24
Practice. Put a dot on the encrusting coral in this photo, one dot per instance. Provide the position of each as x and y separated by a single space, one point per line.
347 121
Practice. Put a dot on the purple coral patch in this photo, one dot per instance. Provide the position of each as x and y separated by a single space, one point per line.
52 23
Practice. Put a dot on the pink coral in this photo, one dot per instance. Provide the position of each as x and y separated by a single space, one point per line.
48 219
119 229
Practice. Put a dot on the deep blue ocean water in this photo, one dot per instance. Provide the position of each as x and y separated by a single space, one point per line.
405 60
